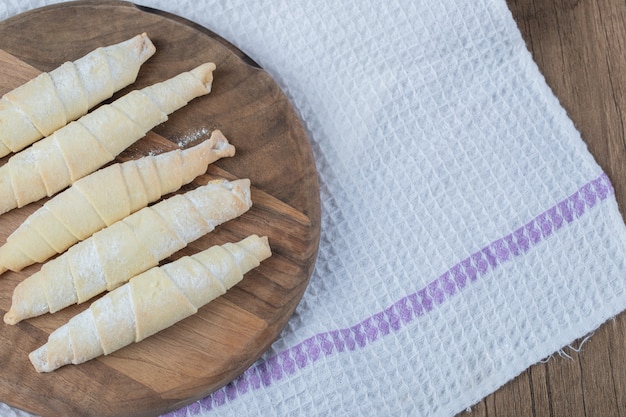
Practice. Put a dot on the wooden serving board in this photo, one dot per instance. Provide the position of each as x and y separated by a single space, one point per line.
206 351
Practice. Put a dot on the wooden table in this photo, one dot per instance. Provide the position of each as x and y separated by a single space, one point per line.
580 47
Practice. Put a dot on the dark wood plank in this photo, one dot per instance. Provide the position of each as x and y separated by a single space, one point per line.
208 350
580 47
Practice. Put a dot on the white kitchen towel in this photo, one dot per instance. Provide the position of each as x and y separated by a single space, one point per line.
467 232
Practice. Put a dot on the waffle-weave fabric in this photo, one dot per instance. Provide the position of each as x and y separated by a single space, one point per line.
467 232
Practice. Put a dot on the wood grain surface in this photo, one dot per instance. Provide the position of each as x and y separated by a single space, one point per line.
202 353
580 47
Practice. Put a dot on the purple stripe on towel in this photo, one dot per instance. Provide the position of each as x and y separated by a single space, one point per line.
408 308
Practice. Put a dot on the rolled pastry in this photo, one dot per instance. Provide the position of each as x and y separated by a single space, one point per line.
128 247
83 146
51 100
149 303
104 197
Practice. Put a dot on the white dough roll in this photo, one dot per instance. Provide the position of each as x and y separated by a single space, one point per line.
84 145
128 247
104 197
149 303
51 100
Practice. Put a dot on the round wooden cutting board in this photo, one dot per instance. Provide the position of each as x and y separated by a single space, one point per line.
208 350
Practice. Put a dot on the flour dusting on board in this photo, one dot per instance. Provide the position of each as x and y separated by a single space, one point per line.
192 137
